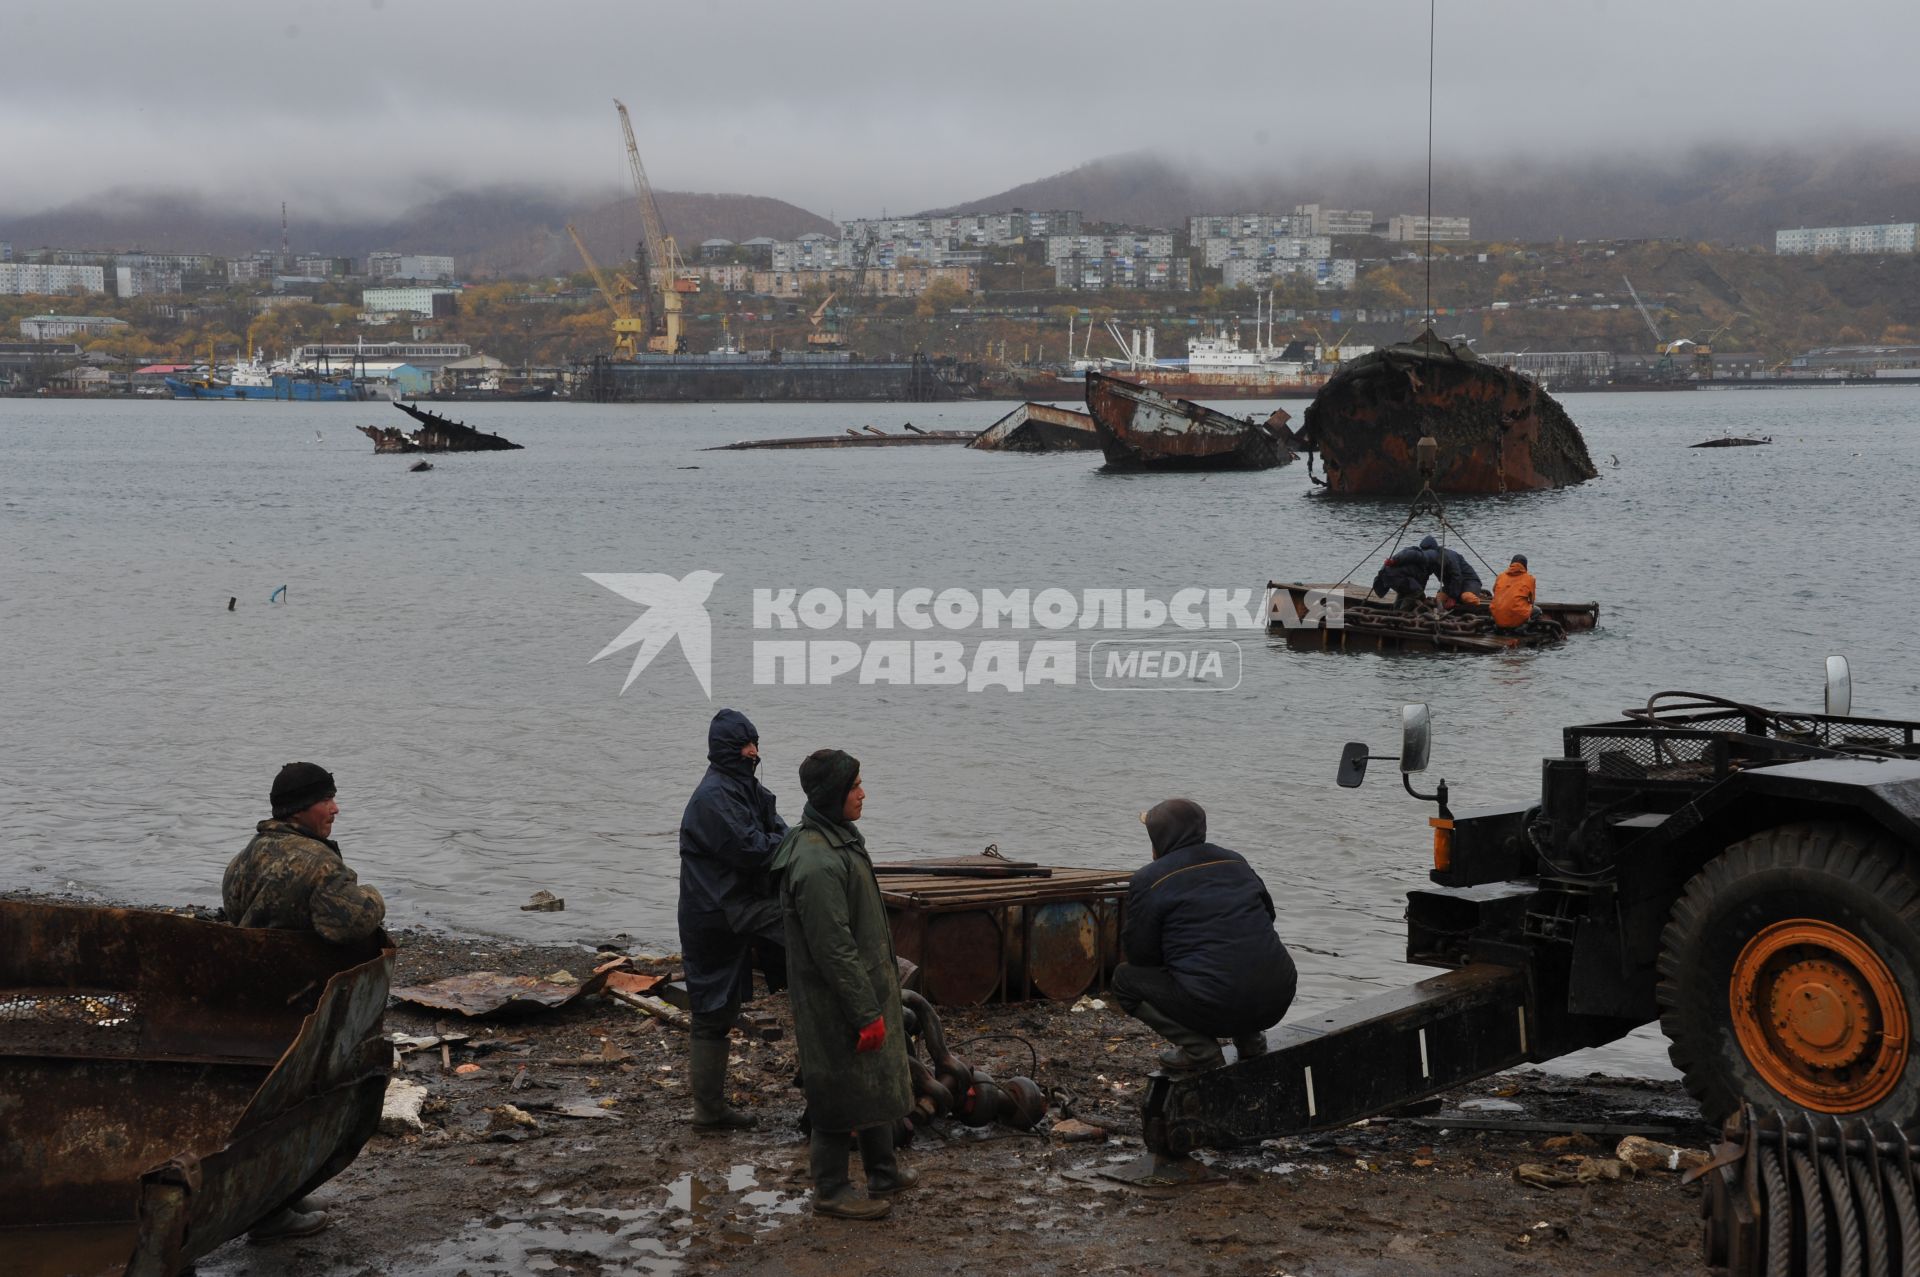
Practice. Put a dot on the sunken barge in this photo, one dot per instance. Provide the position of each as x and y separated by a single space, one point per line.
1498 431
435 434
1039 427
1351 618
1142 430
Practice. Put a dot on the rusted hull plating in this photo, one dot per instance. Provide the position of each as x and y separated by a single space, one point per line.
1143 430
1497 431
169 1082
436 434
1038 427
1303 615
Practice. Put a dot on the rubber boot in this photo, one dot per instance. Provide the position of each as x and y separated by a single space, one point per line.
1250 1046
832 1190
707 1076
1192 1051
885 1175
287 1223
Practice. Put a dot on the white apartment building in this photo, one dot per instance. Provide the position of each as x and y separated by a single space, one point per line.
978 230
54 327
1889 237
20 279
812 251
1125 244
1217 250
1411 228
145 281
1246 226
408 266
409 301
1335 221
1336 273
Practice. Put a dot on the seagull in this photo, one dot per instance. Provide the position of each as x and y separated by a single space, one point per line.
674 607
318 437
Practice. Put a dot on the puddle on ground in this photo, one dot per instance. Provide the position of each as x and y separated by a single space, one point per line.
548 1236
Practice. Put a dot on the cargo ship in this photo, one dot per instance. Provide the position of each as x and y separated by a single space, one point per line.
1216 367
775 376
253 380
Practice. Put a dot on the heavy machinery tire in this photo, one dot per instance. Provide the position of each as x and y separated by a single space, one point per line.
1790 975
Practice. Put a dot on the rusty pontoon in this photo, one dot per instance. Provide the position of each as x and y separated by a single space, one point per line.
1142 430
167 1082
1498 431
1039 427
1351 618
865 437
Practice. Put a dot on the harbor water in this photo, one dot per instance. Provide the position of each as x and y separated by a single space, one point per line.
433 643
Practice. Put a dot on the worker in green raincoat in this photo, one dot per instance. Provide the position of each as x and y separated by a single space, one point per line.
845 990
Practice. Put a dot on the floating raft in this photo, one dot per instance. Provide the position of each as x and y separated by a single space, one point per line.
1039 427
1007 939
868 437
1142 430
1498 431
1298 612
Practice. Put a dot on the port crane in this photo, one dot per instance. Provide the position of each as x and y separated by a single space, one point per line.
1661 346
664 279
827 338
628 328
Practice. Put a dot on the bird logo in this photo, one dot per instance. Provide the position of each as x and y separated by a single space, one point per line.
674 607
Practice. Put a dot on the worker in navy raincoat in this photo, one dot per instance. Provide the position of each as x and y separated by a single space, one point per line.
1405 575
1203 961
727 837
1459 583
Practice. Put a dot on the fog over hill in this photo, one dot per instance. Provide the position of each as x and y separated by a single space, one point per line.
1722 194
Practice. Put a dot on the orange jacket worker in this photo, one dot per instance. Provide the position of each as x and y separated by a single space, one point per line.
1513 595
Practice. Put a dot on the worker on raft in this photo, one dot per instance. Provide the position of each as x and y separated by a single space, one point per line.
1459 583
1404 575
1202 959
728 834
1513 590
290 876
845 993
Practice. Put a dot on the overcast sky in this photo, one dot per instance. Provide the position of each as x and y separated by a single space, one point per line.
849 106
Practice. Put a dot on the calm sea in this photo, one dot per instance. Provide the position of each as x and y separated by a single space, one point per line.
433 646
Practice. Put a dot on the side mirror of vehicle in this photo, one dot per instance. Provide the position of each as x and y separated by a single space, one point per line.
1839 686
1416 737
1353 765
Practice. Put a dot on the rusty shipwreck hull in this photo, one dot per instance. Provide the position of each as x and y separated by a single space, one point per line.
1039 427
435 434
165 1082
1497 431
1142 430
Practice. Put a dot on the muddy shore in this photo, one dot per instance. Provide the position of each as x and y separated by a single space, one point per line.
479 1193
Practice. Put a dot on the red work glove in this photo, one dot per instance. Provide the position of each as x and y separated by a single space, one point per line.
872 1036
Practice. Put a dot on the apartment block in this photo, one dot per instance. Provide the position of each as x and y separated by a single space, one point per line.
1888 237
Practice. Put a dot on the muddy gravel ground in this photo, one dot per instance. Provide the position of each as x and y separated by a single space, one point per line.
480 1194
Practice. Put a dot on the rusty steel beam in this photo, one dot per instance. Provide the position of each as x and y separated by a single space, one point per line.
168 1082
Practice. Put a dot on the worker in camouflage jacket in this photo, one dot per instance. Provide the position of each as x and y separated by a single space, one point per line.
845 990
291 876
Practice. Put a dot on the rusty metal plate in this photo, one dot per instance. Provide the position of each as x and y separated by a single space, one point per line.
484 994
961 958
1063 949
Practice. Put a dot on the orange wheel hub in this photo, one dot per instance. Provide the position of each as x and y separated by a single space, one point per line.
1819 1015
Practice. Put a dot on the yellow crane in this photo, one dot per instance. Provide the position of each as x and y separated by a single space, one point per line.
663 275
828 338
628 328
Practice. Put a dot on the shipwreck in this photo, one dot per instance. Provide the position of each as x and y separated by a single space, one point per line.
435 434
865 437
1142 430
1039 427
1498 431
168 1082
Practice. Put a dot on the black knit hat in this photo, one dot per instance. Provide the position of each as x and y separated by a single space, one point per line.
827 775
1521 559
299 786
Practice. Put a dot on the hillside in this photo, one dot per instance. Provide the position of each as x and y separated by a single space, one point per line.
1727 194
506 231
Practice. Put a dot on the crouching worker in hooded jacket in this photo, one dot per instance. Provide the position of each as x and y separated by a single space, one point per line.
1203 962
845 990
727 840
1513 604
